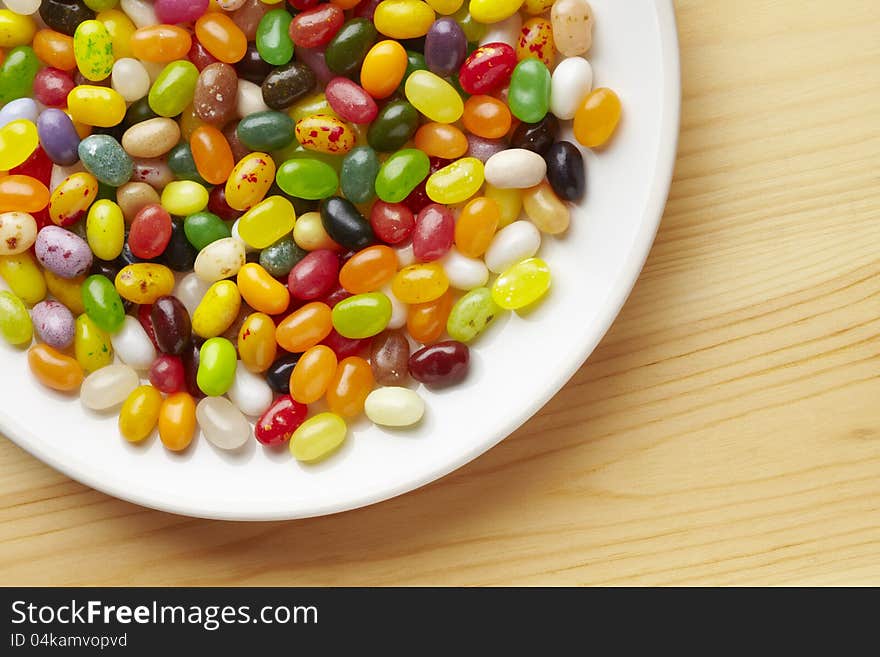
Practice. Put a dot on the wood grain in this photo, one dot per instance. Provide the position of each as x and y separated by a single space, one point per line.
726 430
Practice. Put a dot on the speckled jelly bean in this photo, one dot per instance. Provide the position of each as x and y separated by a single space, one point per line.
105 229
515 168
287 84
488 68
217 310
151 138
456 182
281 256
93 49
17 72
250 180
597 117
17 328
54 369
305 327
362 315
139 413
572 26
91 345
394 407
18 232
215 97
434 97
63 252
256 342
96 106
71 199
280 420
318 437
132 344
144 282
536 40
570 83
105 159
325 134
471 315
220 259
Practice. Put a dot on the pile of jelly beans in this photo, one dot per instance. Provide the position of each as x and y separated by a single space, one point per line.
259 206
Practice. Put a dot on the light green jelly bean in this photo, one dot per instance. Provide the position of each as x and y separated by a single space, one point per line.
173 90
471 315
15 321
296 151
522 284
401 173
273 38
307 178
362 315
529 93
318 437
93 50
17 74
216 366
102 303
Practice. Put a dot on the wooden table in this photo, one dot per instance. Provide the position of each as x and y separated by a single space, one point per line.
726 431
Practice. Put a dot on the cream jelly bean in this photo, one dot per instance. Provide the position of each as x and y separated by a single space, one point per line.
394 407
108 387
18 232
464 273
222 423
516 168
220 259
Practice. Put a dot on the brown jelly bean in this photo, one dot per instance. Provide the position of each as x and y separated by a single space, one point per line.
389 358
215 95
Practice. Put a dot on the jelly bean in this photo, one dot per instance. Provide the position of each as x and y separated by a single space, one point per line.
389 358
212 154
150 232
536 40
596 118
17 328
249 15
445 47
18 139
307 178
203 228
572 26
434 233
400 174
152 171
345 224
179 255
177 421
420 283
509 203
486 117
281 256
471 315
274 42
318 437
314 276
314 59
394 407
309 233
383 69
15 29
456 182
215 98
130 79
19 109
570 83
347 49
55 49
440 365
96 106
358 176
105 229
249 181
222 423
179 11
350 101
24 277
144 282
512 244
349 387
398 308
515 168
217 310
182 164
426 322
391 222
529 94
72 198
102 302
280 421
190 359
476 226
493 11
220 259
221 37
138 111
108 387
18 230
38 167
174 89
190 291
256 342
522 284
63 252
64 15
433 96
536 137
362 316
312 374
105 159
261 291
17 74
167 374
93 50
544 208
92 345
121 29
368 270
216 366
395 124
252 67
249 392
441 140
403 19
51 87
58 137
315 103
305 327
133 196
53 369
464 273
287 84
315 27
344 347
266 131
184 197
266 222
139 413
151 138
132 344
325 134
218 205
171 324
565 171
278 375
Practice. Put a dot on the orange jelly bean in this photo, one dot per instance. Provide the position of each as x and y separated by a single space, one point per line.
54 369
22 193
476 226
212 154
312 375
351 384
55 49
261 291
427 321
305 327
221 37
597 117
486 117
420 283
441 140
160 43
257 347
383 68
177 421
368 269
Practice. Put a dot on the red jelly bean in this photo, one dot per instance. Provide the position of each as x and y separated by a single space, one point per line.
279 422
51 86
314 276
440 365
314 28
344 347
167 374
199 55
365 9
143 315
337 295
150 231
434 233
217 204
392 223
171 324
37 166
487 69
350 101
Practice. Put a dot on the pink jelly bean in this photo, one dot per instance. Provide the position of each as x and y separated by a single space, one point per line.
314 276
179 11
434 233
350 101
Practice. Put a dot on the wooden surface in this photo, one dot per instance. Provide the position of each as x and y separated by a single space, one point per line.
725 432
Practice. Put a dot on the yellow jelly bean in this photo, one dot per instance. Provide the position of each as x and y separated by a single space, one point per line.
139 413
325 134
256 342
15 30
144 282
67 290
15 321
445 7
455 182
267 222
184 197
96 106
309 233
522 284
18 139
420 283
250 180
535 7
24 277
315 103
318 437
91 344
403 19
492 11
93 50
434 97
105 229
217 309
509 203
70 200
120 28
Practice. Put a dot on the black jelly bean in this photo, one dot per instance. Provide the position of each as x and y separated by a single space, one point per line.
537 137
65 15
278 374
179 255
565 171
287 84
345 224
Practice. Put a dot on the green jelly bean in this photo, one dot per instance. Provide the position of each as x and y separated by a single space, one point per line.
138 111
529 94
297 152
273 39
17 74
102 303
101 5
359 170
267 131
105 192
415 61
401 173
362 316
203 228
307 178
471 315
183 166
216 366
473 31
173 90
93 49
15 321
104 158
395 125
280 257
346 51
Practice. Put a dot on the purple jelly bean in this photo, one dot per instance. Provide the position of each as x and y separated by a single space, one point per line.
179 11
445 47
314 59
482 148
58 137
62 252
53 323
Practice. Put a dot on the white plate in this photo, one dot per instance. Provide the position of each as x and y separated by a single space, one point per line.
517 366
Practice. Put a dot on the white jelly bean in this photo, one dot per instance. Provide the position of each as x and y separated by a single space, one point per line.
220 259
249 391
222 423
132 344
23 7
20 108
140 12
398 309
249 99
405 255
394 407
18 232
511 244
506 31
108 386
464 273
515 168
571 82
190 291
130 79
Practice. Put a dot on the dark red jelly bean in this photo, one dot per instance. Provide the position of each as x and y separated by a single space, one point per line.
217 204
199 55
143 315
302 5
172 325
314 28
314 276
38 166
51 86
393 223
434 233
350 101
487 69
167 374
440 365
365 9
150 231
190 359
338 294
344 347
279 422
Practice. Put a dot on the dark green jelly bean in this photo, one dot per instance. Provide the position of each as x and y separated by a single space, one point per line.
179 255
307 178
346 51
17 74
395 125
183 166
278 374
345 225
104 158
266 131
415 61
202 228
401 173
105 193
273 40
65 15
303 205
537 137
103 303
287 84
359 170
565 171
279 258
138 111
